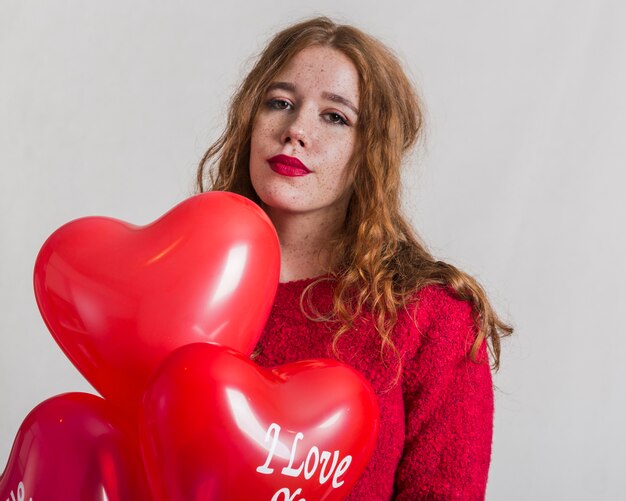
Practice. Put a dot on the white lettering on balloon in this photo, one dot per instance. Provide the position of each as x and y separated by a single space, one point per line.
323 461
21 494
284 495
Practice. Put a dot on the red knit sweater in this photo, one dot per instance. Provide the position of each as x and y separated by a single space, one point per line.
436 422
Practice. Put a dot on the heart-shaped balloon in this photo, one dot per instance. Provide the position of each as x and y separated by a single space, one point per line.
216 426
74 447
119 298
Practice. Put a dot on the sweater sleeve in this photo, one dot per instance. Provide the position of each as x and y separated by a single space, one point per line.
448 402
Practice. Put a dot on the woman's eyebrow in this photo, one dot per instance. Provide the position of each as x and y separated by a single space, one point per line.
340 99
282 85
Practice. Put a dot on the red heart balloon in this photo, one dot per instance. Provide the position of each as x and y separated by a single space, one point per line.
119 298
73 447
216 426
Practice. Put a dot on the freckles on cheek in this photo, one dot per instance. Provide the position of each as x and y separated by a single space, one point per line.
267 131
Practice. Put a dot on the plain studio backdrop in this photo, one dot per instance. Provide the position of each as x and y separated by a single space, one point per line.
106 108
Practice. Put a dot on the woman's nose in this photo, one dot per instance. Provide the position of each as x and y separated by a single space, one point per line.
298 131
295 136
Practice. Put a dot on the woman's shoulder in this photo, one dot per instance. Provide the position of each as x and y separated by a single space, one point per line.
435 303
436 315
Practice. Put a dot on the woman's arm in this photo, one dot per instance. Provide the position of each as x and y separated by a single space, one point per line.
449 408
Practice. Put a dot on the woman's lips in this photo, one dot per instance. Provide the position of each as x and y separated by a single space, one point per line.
288 166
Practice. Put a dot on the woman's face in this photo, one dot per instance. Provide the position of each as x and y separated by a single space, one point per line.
304 134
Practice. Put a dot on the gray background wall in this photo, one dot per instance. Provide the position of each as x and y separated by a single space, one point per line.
105 108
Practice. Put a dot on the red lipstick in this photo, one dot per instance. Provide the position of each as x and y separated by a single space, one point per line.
288 166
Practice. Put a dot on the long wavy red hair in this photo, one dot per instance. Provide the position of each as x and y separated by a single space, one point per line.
379 262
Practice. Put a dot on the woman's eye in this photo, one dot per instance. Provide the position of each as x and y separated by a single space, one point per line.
279 104
336 118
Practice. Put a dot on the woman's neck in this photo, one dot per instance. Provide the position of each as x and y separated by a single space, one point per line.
305 242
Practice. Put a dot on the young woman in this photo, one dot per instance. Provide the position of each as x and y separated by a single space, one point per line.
316 136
